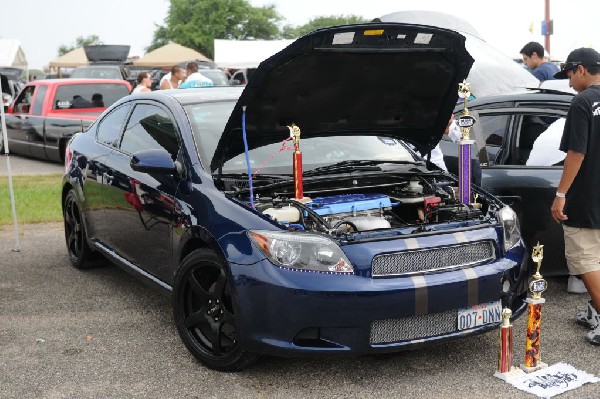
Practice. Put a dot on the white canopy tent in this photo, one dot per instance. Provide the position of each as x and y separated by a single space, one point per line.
239 54
12 54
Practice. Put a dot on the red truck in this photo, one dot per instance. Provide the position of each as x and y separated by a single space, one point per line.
46 113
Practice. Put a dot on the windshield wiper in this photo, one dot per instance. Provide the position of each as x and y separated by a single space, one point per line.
351 166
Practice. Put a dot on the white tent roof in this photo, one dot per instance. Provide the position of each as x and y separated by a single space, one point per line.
12 54
246 53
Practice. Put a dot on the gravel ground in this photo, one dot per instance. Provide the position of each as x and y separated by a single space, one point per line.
99 333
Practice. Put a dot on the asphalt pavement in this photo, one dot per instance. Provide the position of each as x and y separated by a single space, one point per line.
20 165
99 333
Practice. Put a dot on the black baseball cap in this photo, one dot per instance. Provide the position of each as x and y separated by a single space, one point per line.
582 56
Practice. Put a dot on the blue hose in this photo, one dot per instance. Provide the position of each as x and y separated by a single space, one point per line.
247 157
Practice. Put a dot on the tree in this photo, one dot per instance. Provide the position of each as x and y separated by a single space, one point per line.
292 32
79 42
196 23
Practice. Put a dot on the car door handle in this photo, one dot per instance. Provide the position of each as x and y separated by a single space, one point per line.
107 179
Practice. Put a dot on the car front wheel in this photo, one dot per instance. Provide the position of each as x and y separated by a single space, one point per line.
204 315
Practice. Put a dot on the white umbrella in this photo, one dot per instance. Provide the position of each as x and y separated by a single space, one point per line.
10 183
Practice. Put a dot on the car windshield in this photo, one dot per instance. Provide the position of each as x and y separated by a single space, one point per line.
218 77
208 121
108 72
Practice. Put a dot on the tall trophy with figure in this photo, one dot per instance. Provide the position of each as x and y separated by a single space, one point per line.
465 123
537 286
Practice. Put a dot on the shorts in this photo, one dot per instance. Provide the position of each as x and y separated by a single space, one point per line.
582 249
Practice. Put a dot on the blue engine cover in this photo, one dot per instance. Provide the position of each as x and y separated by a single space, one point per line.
349 203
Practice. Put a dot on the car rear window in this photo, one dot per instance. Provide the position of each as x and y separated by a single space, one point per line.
77 96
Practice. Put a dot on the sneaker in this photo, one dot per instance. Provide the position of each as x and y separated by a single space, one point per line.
589 318
576 286
593 336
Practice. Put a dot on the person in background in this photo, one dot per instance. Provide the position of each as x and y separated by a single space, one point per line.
195 78
537 64
173 79
577 202
144 81
97 100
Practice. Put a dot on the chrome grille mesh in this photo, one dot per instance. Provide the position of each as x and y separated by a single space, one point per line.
433 259
415 327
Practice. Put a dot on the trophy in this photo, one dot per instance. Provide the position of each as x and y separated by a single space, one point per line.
537 286
465 123
297 164
506 370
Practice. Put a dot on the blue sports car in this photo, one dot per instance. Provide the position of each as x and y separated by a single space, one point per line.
292 217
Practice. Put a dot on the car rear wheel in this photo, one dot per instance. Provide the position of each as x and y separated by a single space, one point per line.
80 254
204 315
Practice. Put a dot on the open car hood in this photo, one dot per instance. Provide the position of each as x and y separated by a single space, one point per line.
381 79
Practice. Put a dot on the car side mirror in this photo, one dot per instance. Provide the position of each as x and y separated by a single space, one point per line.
22 108
153 162
235 82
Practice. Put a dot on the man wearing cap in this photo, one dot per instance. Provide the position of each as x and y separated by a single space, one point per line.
533 58
577 201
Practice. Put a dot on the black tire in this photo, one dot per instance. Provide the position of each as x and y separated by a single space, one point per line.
204 315
1 142
80 254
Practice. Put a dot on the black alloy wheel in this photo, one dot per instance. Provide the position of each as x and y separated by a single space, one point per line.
204 315
80 254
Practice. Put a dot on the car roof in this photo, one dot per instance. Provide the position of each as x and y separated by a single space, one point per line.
538 96
195 95
74 81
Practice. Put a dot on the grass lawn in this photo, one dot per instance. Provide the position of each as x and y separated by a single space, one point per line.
37 199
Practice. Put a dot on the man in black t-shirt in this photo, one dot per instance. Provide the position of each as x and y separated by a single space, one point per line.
577 201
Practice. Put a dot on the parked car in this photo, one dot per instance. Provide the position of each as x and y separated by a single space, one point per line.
100 72
10 89
194 192
107 61
46 113
521 162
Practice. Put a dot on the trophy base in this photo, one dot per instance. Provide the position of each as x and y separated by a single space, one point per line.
303 200
540 366
509 375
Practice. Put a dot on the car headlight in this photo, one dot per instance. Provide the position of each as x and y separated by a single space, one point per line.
510 226
302 251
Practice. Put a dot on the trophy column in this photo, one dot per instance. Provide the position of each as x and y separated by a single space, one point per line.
536 287
465 123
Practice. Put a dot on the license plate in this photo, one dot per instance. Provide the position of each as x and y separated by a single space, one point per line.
479 315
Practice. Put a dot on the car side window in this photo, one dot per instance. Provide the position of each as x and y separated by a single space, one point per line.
38 101
110 127
539 139
23 102
150 128
494 129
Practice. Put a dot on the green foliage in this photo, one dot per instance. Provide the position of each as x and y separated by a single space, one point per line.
37 199
79 42
196 23
292 32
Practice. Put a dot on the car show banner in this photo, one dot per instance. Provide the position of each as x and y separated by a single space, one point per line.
552 380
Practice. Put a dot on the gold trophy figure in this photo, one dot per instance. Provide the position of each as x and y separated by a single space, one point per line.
536 287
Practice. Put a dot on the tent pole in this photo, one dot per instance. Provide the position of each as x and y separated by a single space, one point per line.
17 247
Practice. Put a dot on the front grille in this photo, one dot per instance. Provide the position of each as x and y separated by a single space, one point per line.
414 327
433 259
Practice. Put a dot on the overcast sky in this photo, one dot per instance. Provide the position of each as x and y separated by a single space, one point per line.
42 25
